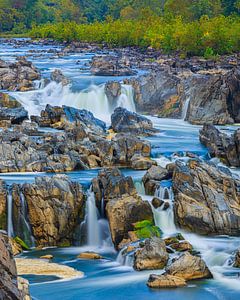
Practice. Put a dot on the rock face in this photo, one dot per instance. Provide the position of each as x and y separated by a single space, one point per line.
55 208
110 66
126 121
58 77
153 255
18 76
165 281
237 259
123 205
206 199
8 273
221 145
3 204
113 90
189 267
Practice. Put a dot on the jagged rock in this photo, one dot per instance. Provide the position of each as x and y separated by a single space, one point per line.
109 66
153 255
142 163
14 115
89 255
126 121
165 281
113 91
23 286
156 202
153 177
18 75
206 199
58 77
16 248
221 145
8 101
189 267
55 208
237 259
8 273
123 205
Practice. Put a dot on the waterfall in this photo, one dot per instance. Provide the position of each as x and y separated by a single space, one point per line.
185 108
124 258
10 214
164 218
92 99
140 187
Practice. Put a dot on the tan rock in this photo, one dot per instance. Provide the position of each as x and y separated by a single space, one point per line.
89 255
48 256
16 248
165 281
182 246
237 259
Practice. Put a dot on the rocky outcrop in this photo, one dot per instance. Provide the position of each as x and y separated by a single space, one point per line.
165 281
152 255
113 90
3 206
110 66
8 273
237 259
18 75
189 267
206 199
152 178
58 77
123 205
55 208
123 120
226 147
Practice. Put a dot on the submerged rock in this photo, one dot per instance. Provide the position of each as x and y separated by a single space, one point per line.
189 267
165 281
206 199
89 255
152 255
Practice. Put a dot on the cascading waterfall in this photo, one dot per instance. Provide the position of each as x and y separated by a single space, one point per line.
10 214
140 187
93 99
185 108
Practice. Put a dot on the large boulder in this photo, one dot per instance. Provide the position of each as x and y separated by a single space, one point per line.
126 121
55 208
189 267
152 255
109 66
113 90
18 75
123 205
206 199
226 147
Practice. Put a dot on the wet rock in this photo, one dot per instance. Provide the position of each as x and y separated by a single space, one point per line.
8 273
58 77
153 177
47 256
142 163
8 102
182 246
14 115
153 255
16 248
156 202
3 206
237 259
109 66
189 267
226 147
113 90
55 208
165 281
206 199
18 75
126 121
89 255
23 286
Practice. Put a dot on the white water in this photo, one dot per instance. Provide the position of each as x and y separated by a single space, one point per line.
140 187
26 223
9 215
185 108
93 99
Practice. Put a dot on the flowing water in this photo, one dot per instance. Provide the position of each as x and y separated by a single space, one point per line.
113 276
10 214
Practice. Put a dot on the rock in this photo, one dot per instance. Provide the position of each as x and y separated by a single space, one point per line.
142 163
8 273
123 205
109 66
237 259
8 102
3 206
123 120
165 281
42 267
55 208
18 75
113 90
182 246
156 202
58 77
189 267
89 255
153 255
206 199
47 256
152 178
23 286
16 248
14 115
221 145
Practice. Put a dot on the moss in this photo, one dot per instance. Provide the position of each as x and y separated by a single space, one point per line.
145 229
19 241
3 221
64 244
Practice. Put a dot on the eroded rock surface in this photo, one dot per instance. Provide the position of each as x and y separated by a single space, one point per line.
165 281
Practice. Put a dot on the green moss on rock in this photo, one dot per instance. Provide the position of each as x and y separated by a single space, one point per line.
146 229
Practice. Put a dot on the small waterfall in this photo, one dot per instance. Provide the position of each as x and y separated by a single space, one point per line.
10 214
92 99
140 187
164 218
185 108
124 258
